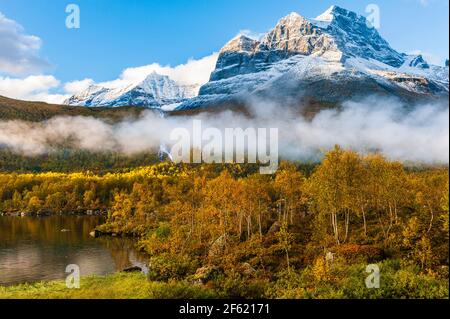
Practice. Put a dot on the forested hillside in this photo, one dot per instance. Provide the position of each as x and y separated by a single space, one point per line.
73 160
301 233
11 109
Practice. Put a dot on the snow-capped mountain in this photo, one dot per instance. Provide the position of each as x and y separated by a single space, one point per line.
154 91
328 59
333 57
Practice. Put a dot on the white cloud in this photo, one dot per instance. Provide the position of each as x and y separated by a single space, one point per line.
31 88
421 134
194 72
18 51
77 86
52 98
41 87
19 57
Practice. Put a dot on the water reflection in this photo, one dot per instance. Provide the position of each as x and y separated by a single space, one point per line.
35 249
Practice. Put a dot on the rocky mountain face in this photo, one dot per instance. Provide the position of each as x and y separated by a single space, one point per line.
293 35
329 59
334 57
154 92
355 37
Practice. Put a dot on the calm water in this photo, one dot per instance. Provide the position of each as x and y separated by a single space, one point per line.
36 249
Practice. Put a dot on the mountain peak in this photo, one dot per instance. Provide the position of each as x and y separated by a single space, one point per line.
355 37
417 61
326 16
152 92
293 34
154 76
337 13
240 43
292 19
293 16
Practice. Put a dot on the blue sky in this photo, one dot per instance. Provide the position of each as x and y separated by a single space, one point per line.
116 35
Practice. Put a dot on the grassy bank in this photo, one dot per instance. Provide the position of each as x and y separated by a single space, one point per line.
115 286
399 280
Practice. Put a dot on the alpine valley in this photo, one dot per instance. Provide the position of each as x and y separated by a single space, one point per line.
154 185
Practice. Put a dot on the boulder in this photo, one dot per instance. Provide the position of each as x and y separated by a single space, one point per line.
247 270
217 248
95 233
132 269
275 228
206 274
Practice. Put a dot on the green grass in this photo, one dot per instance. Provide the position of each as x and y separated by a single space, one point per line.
115 286
398 281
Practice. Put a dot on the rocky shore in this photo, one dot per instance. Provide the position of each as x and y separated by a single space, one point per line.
45 213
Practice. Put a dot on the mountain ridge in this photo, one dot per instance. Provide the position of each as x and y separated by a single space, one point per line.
301 59
154 91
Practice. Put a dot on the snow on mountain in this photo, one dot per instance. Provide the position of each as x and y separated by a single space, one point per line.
355 37
330 58
326 17
334 56
153 92
241 43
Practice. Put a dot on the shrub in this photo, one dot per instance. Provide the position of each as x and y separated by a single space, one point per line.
398 280
166 266
235 286
354 253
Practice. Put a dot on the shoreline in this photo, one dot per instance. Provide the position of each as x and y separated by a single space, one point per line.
81 212
119 285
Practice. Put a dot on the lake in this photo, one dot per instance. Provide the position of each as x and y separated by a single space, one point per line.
36 249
